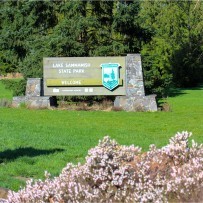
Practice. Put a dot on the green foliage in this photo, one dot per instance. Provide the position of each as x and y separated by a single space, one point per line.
174 53
127 24
22 29
188 65
15 85
5 66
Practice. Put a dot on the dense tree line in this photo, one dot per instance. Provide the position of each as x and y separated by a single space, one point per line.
168 34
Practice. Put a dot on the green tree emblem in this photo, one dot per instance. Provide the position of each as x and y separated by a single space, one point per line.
113 74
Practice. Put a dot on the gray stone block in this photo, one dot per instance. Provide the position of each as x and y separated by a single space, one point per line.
32 102
38 102
34 87
134 75
17 101
136 103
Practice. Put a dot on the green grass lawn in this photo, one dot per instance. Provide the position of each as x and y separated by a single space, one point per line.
33 141
4 93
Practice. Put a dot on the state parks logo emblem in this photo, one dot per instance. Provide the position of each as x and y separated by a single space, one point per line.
110 75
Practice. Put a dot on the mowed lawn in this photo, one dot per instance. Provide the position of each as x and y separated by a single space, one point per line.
33 141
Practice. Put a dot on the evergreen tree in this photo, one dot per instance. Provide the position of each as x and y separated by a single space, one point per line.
100 32
126 24
24 27
112 74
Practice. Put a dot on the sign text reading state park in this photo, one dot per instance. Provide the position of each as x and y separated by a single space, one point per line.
84 76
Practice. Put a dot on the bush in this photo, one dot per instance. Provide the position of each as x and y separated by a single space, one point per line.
116 173
17 86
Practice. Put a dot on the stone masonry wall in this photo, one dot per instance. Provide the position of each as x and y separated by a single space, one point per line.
134 75
135 99
34 96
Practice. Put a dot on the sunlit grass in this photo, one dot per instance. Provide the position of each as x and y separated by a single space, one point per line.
5 93
33 141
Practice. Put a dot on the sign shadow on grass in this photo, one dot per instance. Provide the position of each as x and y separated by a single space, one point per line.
11 155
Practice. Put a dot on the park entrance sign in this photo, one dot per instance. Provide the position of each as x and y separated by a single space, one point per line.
74 76
84 76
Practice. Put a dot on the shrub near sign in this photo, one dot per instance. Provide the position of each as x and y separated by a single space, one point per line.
84 76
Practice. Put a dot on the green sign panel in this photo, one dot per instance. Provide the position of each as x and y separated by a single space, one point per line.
84 76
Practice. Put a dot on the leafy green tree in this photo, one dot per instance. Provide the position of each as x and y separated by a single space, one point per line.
169 56
187 60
